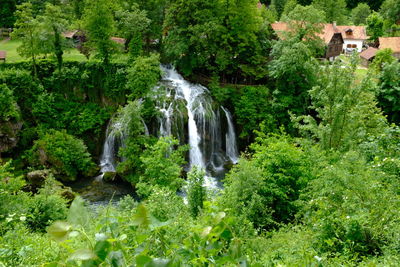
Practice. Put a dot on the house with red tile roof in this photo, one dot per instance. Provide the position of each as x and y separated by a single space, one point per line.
330 35
368 55
354 37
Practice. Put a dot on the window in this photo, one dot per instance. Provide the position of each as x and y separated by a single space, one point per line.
348 45
353 46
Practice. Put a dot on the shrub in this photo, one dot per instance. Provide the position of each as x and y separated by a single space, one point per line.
265 188
196 192
165 204
161 165
8 106
13 201
143 75
351 208
52 110
253 107
25 88
66 155
44 210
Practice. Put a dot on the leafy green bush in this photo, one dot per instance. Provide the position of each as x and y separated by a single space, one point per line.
34 249
53 111
352 209
66 155
132 129
346 112
389 91
382 57
143 75
265 188
162 166
254 106
8 106
23 85
165 204
13 200
44 210
196 192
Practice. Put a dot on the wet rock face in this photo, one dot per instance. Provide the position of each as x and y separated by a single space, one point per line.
37 178
109 176
9 135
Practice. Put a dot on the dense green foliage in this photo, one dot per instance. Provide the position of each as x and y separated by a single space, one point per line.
99 24
143 75
334 10
264 189
196 192
383 56
317 183
360 13
346 113
161 166
8 106
66 155
389 90
227 38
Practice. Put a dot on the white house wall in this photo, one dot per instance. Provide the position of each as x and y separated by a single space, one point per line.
359 44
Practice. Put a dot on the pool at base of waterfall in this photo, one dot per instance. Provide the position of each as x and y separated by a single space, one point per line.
99 193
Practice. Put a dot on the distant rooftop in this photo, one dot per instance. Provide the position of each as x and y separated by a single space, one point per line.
390 42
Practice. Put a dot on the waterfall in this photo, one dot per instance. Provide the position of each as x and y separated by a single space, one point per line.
114 140
231 147
187 112
108 157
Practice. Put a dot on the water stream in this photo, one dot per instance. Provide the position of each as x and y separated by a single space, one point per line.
187 112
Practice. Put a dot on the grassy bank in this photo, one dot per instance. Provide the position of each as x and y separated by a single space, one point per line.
10 46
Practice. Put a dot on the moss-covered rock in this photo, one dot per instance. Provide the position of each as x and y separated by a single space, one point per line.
38 177
9 134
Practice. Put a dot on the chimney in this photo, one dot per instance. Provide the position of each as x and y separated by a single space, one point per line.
334 25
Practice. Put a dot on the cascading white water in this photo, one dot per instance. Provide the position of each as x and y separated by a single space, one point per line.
187 112
194 107
183 102
231 147
114 140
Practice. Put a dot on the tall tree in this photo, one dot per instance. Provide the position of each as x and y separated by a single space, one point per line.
390 11
54 23
132 24
191 30
360 13
292 55
77 7
305 25
289 6
221 37
156 10
373 4
99 24
346 112
374 26
289 59
279 6
26 29
335 10
7 9
389 91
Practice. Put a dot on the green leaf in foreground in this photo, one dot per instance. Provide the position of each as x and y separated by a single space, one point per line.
59 230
